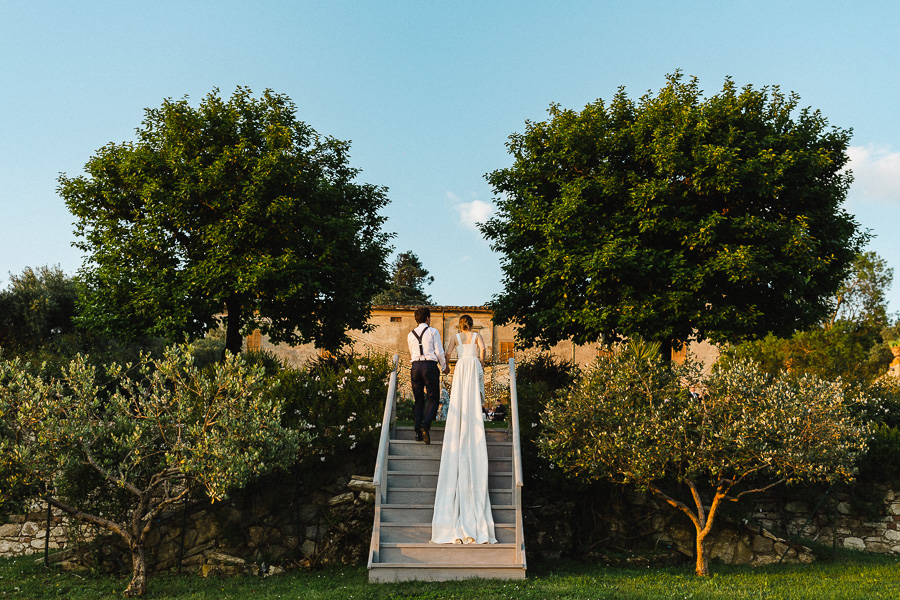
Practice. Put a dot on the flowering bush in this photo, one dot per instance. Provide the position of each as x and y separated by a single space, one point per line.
339 401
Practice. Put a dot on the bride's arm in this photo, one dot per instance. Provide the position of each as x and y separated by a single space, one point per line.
451 346
481 349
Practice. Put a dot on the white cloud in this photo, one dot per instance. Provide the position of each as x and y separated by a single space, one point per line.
876 174
471 213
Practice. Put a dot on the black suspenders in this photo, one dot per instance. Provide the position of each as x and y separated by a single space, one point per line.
419 337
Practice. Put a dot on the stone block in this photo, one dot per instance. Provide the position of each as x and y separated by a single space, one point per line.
308 548
796 507
854 543
359 484
892 535
255 536
341 499
761 545
10 530
844 508
894 508
878 547
763 559
11 548
367 497
308 512
223 558
29 529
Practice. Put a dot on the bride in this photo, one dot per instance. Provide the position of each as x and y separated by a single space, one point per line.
462 508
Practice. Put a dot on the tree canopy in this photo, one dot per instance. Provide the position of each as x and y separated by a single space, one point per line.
673 216
37 306
407 282
232 207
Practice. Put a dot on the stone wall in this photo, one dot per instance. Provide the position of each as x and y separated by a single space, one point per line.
27 533
327 518
844 518
283 521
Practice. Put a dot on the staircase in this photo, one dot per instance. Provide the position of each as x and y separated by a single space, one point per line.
405 480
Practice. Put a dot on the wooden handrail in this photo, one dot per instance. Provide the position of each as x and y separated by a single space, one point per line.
381 459
390 401
517 460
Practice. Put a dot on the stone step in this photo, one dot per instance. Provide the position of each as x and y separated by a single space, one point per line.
422 513
431 464
406 432
472 554
413 448
421 532
426 496
428 481
394 572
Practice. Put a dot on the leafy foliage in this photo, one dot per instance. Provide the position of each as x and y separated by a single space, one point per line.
338 400
149 432
37 308
843 351
234 204
631 420
406 286
862 297
672 217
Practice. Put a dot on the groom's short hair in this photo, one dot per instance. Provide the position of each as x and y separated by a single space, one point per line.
423 313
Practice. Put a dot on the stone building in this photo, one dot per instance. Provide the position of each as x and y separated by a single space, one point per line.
393 323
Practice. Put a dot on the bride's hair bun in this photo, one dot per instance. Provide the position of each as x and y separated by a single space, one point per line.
465 322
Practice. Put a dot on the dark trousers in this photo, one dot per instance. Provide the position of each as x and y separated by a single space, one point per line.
425 378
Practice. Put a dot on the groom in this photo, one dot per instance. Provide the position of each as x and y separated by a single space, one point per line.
426 351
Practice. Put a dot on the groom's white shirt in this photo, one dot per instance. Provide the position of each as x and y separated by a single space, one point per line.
431 344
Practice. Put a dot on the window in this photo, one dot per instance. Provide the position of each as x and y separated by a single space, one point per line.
254 341
396 319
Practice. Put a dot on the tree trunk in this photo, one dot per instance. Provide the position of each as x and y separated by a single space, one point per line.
138 584
702 566
234 342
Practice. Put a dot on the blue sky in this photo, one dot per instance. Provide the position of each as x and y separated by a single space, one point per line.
428 93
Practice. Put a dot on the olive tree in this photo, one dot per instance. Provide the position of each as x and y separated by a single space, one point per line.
631 420
147 433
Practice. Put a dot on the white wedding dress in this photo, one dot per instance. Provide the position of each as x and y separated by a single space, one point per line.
462 508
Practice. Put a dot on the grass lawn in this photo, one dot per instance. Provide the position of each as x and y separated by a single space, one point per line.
852 576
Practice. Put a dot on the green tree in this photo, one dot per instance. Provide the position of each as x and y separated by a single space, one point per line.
632 421
148 434
673 217
848 344
862 297
234 206
37 307
407 281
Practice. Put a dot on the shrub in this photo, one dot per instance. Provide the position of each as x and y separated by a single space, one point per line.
339 401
